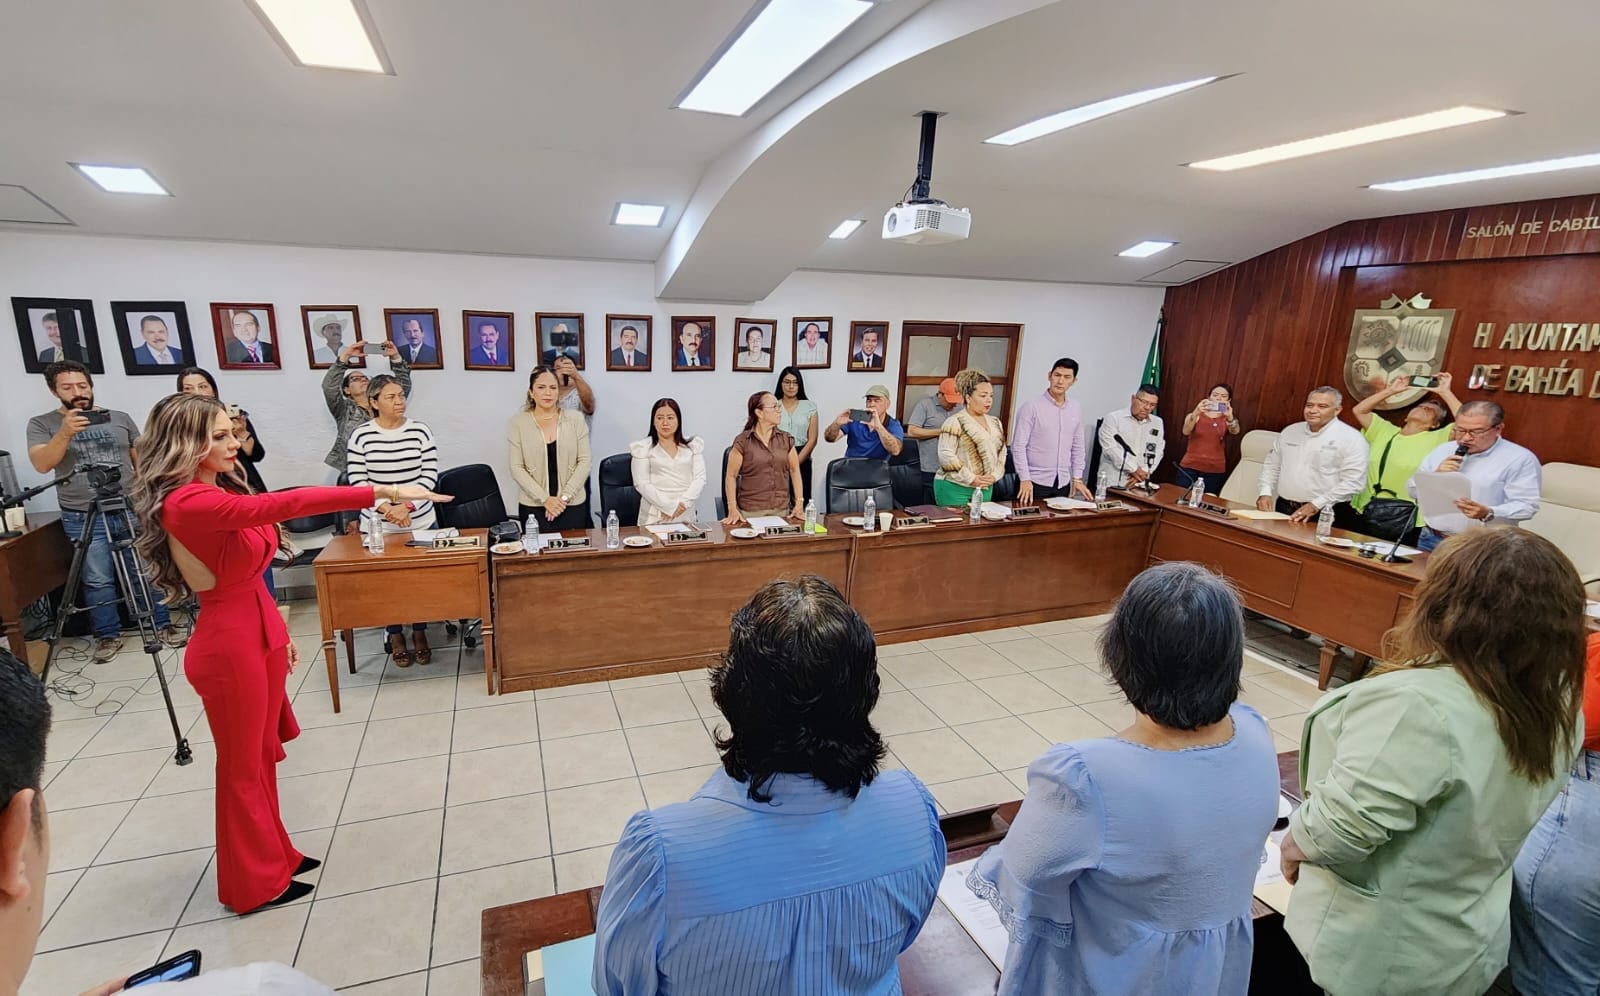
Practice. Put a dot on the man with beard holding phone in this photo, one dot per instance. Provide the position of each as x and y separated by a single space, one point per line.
78 435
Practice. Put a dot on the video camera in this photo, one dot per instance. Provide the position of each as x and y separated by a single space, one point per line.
104 478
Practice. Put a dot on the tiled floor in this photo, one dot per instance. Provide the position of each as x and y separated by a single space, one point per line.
430 801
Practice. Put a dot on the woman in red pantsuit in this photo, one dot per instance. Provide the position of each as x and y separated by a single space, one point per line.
202 530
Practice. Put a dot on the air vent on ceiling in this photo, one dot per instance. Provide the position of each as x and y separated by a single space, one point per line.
21 205
1183 271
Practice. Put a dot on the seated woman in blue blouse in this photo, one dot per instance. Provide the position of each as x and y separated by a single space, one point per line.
1130 866
799 868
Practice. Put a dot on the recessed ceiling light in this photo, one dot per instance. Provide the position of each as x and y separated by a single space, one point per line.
846 229
1492 173
1088 112
648 215
1146 248
122 179
779 39
325 34
1400 128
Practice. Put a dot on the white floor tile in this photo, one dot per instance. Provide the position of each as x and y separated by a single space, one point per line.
414 698
592 757
919 670
204 906
591 815
314 708
568 691
903 712
164 825
381 853
57 886
939 756
330 748
575 715
1005 743
670 746
403 739
494 773
1021 693
458 915
120 900
971 793
654 704
463 977
269 935
200 773
993 636
1079 684
511 722
379 790
312 802
67 737
978 661
945 642
582 869
77 835
75 970
1033 654
1082 646
410 984
92 781
1060 726
644 680
497 832
128 732
962 703
368 935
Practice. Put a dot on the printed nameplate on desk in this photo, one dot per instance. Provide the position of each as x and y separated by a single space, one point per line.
786 530
565 543
912 522
682 538
456 542
1027 512
1213 509
1108 506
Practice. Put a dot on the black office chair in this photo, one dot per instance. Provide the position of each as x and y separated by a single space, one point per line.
851 479
477 505
1005 489
722 500
905 476
617 490
1091 470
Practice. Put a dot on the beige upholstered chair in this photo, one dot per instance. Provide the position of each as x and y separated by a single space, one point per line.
1242 483
1569 517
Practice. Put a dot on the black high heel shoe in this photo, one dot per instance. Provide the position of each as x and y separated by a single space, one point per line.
296 890
307 865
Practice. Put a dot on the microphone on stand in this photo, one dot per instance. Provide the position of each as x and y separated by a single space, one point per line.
1127 451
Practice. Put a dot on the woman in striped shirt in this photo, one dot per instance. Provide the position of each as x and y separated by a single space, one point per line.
972 444
393 449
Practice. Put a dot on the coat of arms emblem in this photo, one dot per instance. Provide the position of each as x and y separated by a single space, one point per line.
1396 339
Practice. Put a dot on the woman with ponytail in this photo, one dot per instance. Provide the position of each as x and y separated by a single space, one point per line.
202 530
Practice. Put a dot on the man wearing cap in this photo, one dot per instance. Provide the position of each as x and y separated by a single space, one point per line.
331 331
927 418
344 388
878 439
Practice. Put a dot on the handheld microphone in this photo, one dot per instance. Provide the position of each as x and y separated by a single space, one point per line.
1461 449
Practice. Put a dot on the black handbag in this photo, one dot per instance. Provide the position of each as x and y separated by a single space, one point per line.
1387 518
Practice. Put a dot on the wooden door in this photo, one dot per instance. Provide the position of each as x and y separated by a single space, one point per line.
932 351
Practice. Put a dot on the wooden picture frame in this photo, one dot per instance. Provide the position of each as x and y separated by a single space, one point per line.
132 318
547 325
232 326
321 350
705 336
858 330
57 328
429 351
743 360
824 325
642 329
475 344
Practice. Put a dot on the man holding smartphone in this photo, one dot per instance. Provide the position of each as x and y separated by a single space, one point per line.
870 432
74 436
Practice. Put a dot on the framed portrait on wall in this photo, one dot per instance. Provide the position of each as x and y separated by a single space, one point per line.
247 336
57 328
415 332
813 342
154 336
487 340
694 342
628 342
755 345
559 335
868 341
329 328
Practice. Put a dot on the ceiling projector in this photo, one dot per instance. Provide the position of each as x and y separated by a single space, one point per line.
920 220
926 224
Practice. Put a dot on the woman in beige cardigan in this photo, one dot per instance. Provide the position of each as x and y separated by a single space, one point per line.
548 443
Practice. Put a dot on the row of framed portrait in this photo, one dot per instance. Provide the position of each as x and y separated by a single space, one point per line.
154 337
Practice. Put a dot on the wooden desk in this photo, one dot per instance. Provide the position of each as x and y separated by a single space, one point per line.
356 588
31 566
943 960
1282 571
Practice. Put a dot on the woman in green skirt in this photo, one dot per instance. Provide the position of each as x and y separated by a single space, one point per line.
972 445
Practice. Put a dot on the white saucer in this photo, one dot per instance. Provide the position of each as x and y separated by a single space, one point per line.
744 532
995 516
1336 541
854 520
1059 504
637 541
507 547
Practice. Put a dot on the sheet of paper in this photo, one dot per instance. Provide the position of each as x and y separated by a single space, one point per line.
991 509
768 521
565 968
975 915
1271 887
1437 494
667 528
1593 609
429 535
1254 513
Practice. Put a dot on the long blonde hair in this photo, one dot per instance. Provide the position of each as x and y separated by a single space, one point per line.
176 437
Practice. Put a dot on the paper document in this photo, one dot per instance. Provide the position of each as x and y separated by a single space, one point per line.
994 510
975 915
429 535
561 969
667 528
768 521
1271 887
1437 494
1254 513
1592 609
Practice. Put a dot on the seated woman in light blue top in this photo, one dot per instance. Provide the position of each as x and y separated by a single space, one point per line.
1130 867
799 868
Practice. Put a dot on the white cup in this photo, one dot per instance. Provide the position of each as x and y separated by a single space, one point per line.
16 518
884 518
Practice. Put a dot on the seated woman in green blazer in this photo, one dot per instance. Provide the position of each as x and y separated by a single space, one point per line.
1423 780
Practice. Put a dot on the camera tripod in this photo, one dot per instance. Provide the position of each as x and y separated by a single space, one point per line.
108 509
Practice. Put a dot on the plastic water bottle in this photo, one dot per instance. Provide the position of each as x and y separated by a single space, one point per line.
811 516
975 507
1100 487
1197 493
374 533
1325 523
613 530
869 515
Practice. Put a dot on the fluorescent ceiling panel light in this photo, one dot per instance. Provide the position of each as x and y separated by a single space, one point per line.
325 34
1492 173
1414 125
1146 248
1088 112
781 38
122 179
846 229
648 215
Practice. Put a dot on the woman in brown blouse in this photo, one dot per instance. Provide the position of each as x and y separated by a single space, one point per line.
1212 420
763 468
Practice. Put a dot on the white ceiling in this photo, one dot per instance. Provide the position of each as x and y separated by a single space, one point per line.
513 126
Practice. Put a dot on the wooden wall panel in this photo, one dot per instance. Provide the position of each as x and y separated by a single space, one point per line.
1277 325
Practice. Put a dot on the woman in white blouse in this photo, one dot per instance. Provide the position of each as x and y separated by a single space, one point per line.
669 471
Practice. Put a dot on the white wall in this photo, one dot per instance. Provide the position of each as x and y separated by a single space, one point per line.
1107 329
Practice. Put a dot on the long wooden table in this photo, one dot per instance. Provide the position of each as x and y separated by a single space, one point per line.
31 566
943 961
1283 572
404 584
586 615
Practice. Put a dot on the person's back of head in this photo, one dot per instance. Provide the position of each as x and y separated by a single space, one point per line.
797 685
24 846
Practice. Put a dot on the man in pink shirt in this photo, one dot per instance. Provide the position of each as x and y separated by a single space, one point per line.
1047 443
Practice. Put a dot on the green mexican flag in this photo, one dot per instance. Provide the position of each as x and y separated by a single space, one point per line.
1152 362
